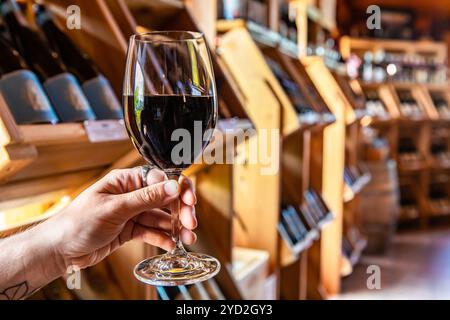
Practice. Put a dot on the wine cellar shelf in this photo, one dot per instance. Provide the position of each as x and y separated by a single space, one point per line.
418 106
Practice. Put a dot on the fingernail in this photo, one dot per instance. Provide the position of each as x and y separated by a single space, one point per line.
171 188
188 237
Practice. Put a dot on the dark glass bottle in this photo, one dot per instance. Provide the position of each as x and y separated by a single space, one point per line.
95 86
21 89
62 87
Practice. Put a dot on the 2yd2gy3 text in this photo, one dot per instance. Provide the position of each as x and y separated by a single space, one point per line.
223 309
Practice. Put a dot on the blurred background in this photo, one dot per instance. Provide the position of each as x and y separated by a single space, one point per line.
358 90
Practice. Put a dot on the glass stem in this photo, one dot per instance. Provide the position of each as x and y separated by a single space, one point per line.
176 225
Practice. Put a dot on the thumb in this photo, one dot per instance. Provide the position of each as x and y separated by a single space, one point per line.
155 196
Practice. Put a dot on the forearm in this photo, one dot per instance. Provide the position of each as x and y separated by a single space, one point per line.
28 261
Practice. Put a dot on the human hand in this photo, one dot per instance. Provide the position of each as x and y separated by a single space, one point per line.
117 209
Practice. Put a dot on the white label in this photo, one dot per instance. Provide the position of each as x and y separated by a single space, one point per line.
105 130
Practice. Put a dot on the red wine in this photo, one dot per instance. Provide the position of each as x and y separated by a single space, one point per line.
151 121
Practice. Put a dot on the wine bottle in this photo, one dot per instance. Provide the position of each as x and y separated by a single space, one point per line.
290 227
21 89
297 221
95 86
62 87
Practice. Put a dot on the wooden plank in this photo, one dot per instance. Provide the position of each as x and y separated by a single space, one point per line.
223 26
301 20
332 179
48 134
294 168
256 81
214 207
9 131
123 17
258 208
58 159
389 98
14 158
273 9
439 49
416 94
290 281
427 102
205 15
26 216
20 189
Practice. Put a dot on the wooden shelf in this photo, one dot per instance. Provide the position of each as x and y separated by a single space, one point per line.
328 180
413 167
36 151
359 246
350 260
409 212
15 215
437 98
349 45
291 253
434 163
223 26
439 207
350 191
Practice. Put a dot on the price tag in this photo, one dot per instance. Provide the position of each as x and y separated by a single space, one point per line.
105 130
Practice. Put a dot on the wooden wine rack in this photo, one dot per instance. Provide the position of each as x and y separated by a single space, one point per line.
237 205
416 169
35 152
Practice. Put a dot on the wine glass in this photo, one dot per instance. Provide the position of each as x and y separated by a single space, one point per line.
170 107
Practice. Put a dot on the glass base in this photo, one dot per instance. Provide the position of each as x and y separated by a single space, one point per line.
175 270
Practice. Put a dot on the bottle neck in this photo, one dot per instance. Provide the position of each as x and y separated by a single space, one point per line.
11 60
11 13
76 61
45 64
9 10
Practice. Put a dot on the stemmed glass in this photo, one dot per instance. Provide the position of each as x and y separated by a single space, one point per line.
170 107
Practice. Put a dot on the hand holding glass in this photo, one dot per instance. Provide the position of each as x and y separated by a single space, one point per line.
170 95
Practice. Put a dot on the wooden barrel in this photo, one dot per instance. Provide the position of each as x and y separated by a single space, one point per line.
379 205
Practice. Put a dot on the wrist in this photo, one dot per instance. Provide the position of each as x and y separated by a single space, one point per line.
28 261
46 241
